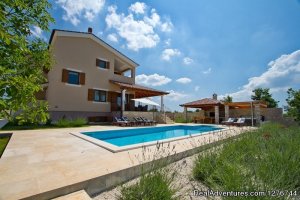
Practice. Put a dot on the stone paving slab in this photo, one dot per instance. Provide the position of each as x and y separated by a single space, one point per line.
44 164
80 195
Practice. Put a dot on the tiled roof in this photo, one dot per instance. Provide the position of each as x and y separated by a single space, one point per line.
206 101
138 87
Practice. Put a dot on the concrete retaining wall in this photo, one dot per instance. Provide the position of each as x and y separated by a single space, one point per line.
147 115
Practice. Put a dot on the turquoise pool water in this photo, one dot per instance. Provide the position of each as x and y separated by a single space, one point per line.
141 135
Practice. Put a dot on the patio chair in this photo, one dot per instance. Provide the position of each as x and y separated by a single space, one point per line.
240 122
120 122
229 121
148 121
145 121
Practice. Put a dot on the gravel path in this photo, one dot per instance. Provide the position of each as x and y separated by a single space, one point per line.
183 181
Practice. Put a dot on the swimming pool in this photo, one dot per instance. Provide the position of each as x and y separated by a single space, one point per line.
125 137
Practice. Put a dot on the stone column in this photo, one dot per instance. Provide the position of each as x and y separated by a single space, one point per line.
216 114
257 114
123 100
162 103
185 114
226 112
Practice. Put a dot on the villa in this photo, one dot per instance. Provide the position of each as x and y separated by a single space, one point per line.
90 79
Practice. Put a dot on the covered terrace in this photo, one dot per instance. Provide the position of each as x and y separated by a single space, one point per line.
139 92
216 111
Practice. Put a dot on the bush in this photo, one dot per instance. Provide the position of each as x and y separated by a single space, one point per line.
79 122
155 185
262 160
71 123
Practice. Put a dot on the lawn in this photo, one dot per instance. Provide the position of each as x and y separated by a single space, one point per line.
3 143
267 159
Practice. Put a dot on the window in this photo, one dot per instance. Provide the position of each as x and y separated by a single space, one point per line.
102 64
100 95
73 77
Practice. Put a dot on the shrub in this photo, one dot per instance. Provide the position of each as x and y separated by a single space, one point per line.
79 122
63 123
71 123
261 160
155 185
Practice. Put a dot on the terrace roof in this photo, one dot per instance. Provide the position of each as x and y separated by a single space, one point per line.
209 102
140 91
202 103
246 104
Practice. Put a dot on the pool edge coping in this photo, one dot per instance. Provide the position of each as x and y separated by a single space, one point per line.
116 149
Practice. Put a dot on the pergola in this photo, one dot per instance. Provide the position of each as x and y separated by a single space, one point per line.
140 92
254 106
215 105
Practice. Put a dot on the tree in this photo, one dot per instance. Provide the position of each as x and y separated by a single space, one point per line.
23 59
293 100
227 99
263 94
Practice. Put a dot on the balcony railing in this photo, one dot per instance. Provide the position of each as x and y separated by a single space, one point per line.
123 79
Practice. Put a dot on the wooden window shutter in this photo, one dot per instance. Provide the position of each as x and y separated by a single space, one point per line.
107 65
64 76
109 96
97 62
91 95
82 78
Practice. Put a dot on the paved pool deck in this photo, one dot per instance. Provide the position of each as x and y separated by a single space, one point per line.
48 163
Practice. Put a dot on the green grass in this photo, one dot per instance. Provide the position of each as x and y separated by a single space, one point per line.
62 123
182 120
3 143
155 185
265 159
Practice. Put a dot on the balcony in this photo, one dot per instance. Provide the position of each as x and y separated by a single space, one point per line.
123 79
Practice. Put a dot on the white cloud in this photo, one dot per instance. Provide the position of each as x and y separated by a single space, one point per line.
112 37
168 53
152 80
76 9
196 88
184 80
138 33
208 71
187 60
281 74
167 42
175 96
138 7
166 26
37 32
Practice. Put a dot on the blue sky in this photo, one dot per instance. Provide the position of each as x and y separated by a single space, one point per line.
197 47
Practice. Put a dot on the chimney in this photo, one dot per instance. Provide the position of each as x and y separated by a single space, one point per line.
90 30
215 96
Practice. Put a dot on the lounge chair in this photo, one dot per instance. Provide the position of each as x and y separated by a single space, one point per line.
240 122
132 123
120 122
148 121
139 121
230 121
